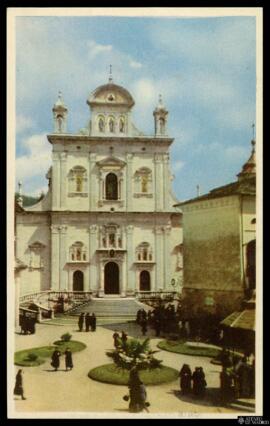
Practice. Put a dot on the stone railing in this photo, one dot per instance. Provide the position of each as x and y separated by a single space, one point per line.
50 295
156 295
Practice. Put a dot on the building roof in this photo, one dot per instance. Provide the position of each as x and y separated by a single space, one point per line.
245 185
241 319
112 94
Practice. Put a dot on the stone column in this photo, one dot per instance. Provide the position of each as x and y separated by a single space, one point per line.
166 187
92 183
167 257
63 258
101 279
63 180
55 283
129 259
159 258
158 183
123 280
129 180
55 181
93 284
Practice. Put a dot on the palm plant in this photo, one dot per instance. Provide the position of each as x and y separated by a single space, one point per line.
134 353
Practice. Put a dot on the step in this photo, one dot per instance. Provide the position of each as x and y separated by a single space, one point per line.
112 307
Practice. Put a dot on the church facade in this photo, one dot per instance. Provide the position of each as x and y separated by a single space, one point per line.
107 223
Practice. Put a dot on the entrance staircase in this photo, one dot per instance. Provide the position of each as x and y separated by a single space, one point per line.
121 308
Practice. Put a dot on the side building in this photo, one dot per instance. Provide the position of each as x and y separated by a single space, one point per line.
219 245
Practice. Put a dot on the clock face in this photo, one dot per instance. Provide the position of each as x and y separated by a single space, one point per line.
111 97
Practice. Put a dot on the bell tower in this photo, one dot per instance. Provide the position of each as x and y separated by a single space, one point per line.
60 112
160 115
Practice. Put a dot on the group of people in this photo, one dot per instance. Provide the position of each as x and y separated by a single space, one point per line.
237 378
28 324
165 319
117 339
192 382
55 360
90 321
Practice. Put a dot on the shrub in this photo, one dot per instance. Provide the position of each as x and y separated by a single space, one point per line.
32 356
66 337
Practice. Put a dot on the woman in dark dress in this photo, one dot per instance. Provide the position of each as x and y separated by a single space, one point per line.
93 322
18 390
68 359
185 379
56 359
137 393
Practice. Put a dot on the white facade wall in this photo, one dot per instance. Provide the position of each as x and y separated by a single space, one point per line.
68 216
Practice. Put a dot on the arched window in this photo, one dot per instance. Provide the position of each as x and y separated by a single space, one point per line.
121 125
59 123
144 252
101 124
77 252
162 126
77 178
111 125
111 187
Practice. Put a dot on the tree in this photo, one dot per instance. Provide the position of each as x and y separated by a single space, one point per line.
134 353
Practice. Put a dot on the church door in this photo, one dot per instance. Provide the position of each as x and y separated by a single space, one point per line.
78 281
111 278
145 281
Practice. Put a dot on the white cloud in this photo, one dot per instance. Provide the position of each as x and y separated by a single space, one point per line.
23 123
135 64
94 49
37 160
177 165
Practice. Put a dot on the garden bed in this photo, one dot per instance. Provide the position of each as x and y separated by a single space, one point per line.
110 373
189 348
23 358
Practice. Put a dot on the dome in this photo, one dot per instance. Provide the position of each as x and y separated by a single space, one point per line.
110 94
249 168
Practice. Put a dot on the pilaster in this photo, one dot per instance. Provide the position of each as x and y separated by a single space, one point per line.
93 230
63 258
159 258
63 180
55 181
129 178
129 259
55 282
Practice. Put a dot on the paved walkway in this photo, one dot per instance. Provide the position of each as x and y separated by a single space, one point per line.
73 391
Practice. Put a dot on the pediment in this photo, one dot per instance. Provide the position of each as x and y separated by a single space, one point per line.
37 245
111 162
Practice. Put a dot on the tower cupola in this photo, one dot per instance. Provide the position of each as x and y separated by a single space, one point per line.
60 112
160 116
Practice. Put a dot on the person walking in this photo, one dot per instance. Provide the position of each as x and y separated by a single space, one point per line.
87 321
116 338
81 321
68 359
137 392
56 359
144 326
93 322
124 338
199 382
18 389
185 379
226 386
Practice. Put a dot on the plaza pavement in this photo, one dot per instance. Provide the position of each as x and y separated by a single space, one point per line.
73 391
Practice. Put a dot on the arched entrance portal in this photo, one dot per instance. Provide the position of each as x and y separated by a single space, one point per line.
111 278
145 281
78 281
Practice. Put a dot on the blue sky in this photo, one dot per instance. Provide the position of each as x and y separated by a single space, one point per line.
205 69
